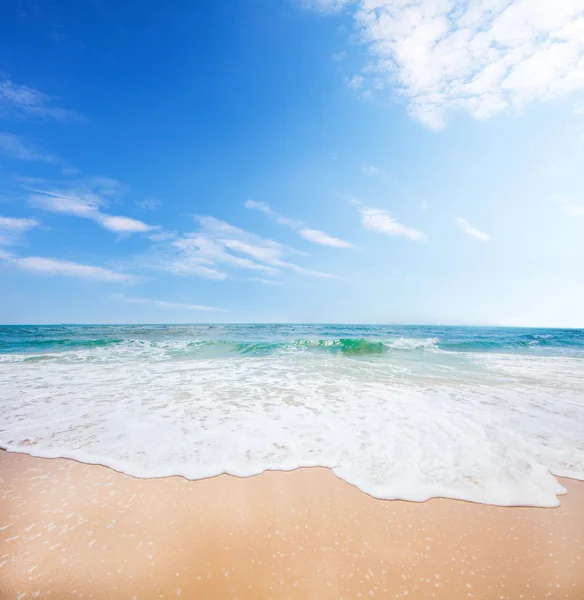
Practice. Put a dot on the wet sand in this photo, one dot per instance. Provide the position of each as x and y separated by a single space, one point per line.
69 530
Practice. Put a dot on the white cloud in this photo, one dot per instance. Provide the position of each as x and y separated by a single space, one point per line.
69 171
213 250
265 253
304 271
218 244
27 101
17 225
12 228
319 237
51 266
77 203
355 82
149 203
123 224
187 265
86 199
106 186
326 6
163 236
166 304
14 147
261 206
339 56
314 235
571 208
265 208
482 57
265 281
373 170
470 230
377 219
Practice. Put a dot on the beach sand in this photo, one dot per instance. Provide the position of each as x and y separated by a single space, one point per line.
69 530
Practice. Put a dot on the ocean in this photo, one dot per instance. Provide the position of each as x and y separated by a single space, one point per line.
488 415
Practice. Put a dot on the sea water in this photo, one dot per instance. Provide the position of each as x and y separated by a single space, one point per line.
483 414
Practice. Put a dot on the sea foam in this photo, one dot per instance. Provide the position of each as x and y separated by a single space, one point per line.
398 419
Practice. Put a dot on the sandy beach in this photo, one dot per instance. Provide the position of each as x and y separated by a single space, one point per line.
69 530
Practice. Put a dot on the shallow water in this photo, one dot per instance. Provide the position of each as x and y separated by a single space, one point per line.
482 414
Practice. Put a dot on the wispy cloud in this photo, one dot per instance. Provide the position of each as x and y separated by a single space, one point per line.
218 247
339 56
325 6
16 225
11 229
15 147
314 235
167 305
85 199
377 219
122 224
319 237
70 171
266 281
52 266
265 208
26 101
571 208
470 230
373 170
355 82
149 203
163 236
481 57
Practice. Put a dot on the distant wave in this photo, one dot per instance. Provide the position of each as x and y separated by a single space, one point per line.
34 348
58 343
214 348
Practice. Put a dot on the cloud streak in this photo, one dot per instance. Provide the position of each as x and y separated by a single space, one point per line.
482 57
379 220
323 239
325 6
12 228
355 82
470 230
167 305
372 170
86 200
15 147
29 102
16 225
313 235
52 266
149 203
218 247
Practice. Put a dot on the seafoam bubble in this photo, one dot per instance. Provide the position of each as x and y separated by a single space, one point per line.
483 427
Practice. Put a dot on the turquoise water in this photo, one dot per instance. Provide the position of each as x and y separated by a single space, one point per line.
260 339
483 414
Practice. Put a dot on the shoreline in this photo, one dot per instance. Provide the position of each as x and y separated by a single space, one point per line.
78 530
96 463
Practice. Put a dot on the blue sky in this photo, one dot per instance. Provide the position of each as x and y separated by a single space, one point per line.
404 161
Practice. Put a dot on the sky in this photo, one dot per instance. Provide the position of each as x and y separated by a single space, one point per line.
337 161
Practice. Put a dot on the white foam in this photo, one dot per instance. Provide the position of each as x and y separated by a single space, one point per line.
413 344
479 427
